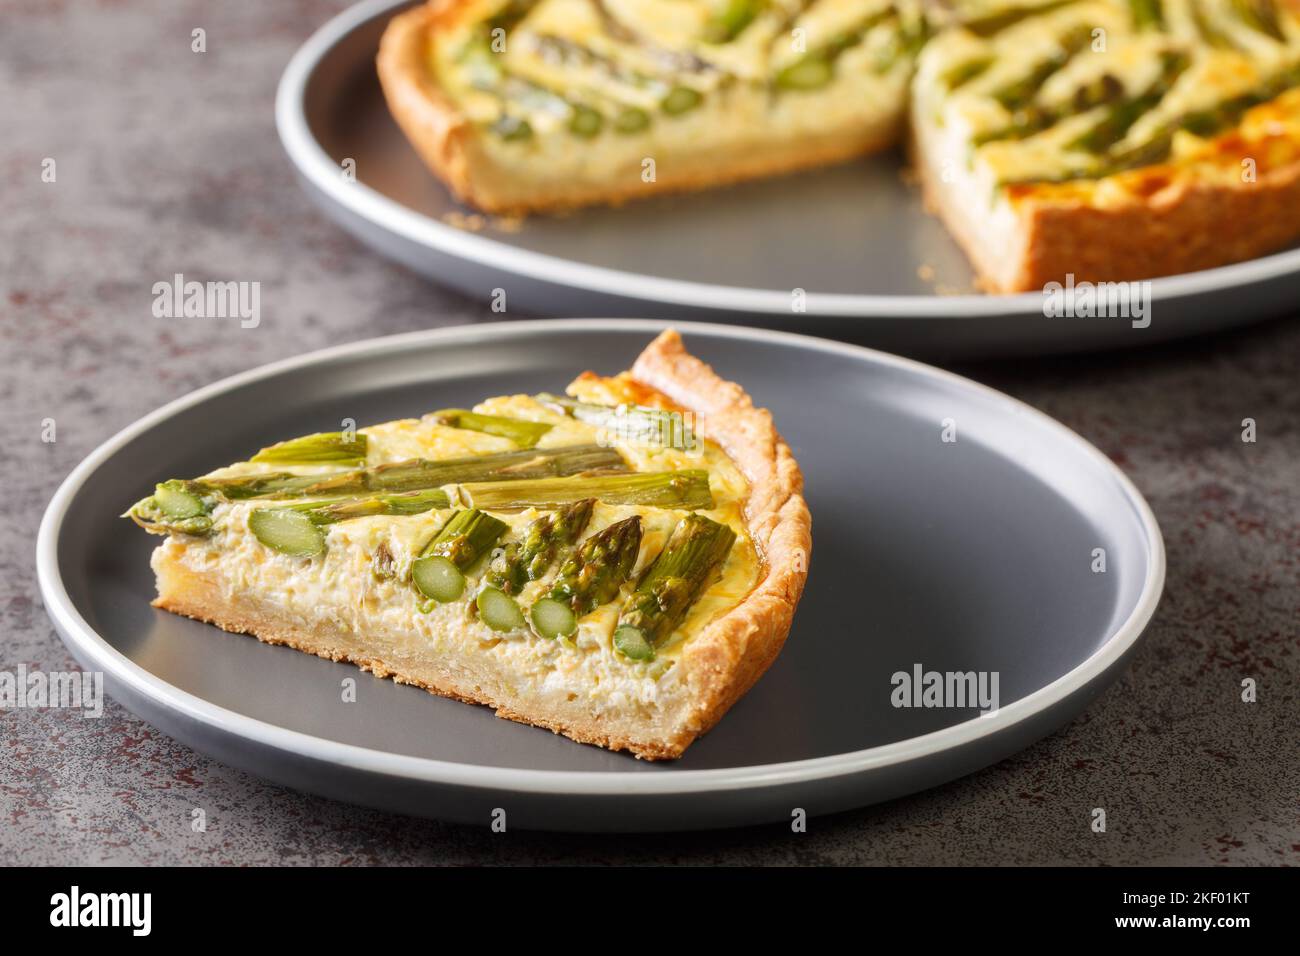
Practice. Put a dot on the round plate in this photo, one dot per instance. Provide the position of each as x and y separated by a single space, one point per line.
970 555
852 237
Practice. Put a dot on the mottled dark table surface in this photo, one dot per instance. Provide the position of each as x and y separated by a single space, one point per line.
167 161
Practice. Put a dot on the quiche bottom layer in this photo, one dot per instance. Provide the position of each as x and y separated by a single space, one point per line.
581 689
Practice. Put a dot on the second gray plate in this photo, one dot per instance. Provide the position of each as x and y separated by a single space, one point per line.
973 555
855 238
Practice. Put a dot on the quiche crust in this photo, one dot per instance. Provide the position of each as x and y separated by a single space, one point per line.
717 664
459 154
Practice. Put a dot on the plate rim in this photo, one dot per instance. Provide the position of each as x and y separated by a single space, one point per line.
311 161
81 637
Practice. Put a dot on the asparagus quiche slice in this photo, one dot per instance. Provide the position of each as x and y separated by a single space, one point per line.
528 105
1112 139
618 564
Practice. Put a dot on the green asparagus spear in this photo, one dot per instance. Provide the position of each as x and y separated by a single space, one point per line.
1020 93
523 433
500 466
342 448
1210 33
439 572
1123 114
295 529
679 100
1147 14
961 74
1204 122
174 507
589 577
674 581
499 610
511 128
633 424
585 121
1032 118
1261 16
687 489
816 68
996 22
729 22
630 120
519 562
185 506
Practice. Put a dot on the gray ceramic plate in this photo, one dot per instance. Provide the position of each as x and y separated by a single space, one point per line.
970 555
853 238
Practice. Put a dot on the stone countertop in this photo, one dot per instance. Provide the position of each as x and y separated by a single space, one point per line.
167 161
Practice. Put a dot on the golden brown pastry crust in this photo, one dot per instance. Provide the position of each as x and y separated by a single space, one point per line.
717 666
1184 226
452 148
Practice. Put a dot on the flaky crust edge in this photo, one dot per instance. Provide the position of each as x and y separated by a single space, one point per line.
723 662
448 143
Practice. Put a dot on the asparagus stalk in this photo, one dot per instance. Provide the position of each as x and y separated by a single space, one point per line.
675 580
687 489
500 466
1123 114
1031 118
174 507
1147 14
525 434
729 22
184 506
590 576
517 563
499 610
439 572
344 448
1210 33
662 427
961 74
1204 122
816 68
1020 93
994 23
296 529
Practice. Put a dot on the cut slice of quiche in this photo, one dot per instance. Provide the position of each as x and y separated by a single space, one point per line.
618 564
1112 140
528 105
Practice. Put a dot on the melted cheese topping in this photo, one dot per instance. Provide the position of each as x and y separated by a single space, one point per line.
341 587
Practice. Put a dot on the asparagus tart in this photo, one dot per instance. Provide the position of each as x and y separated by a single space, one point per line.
619 563
1108 139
